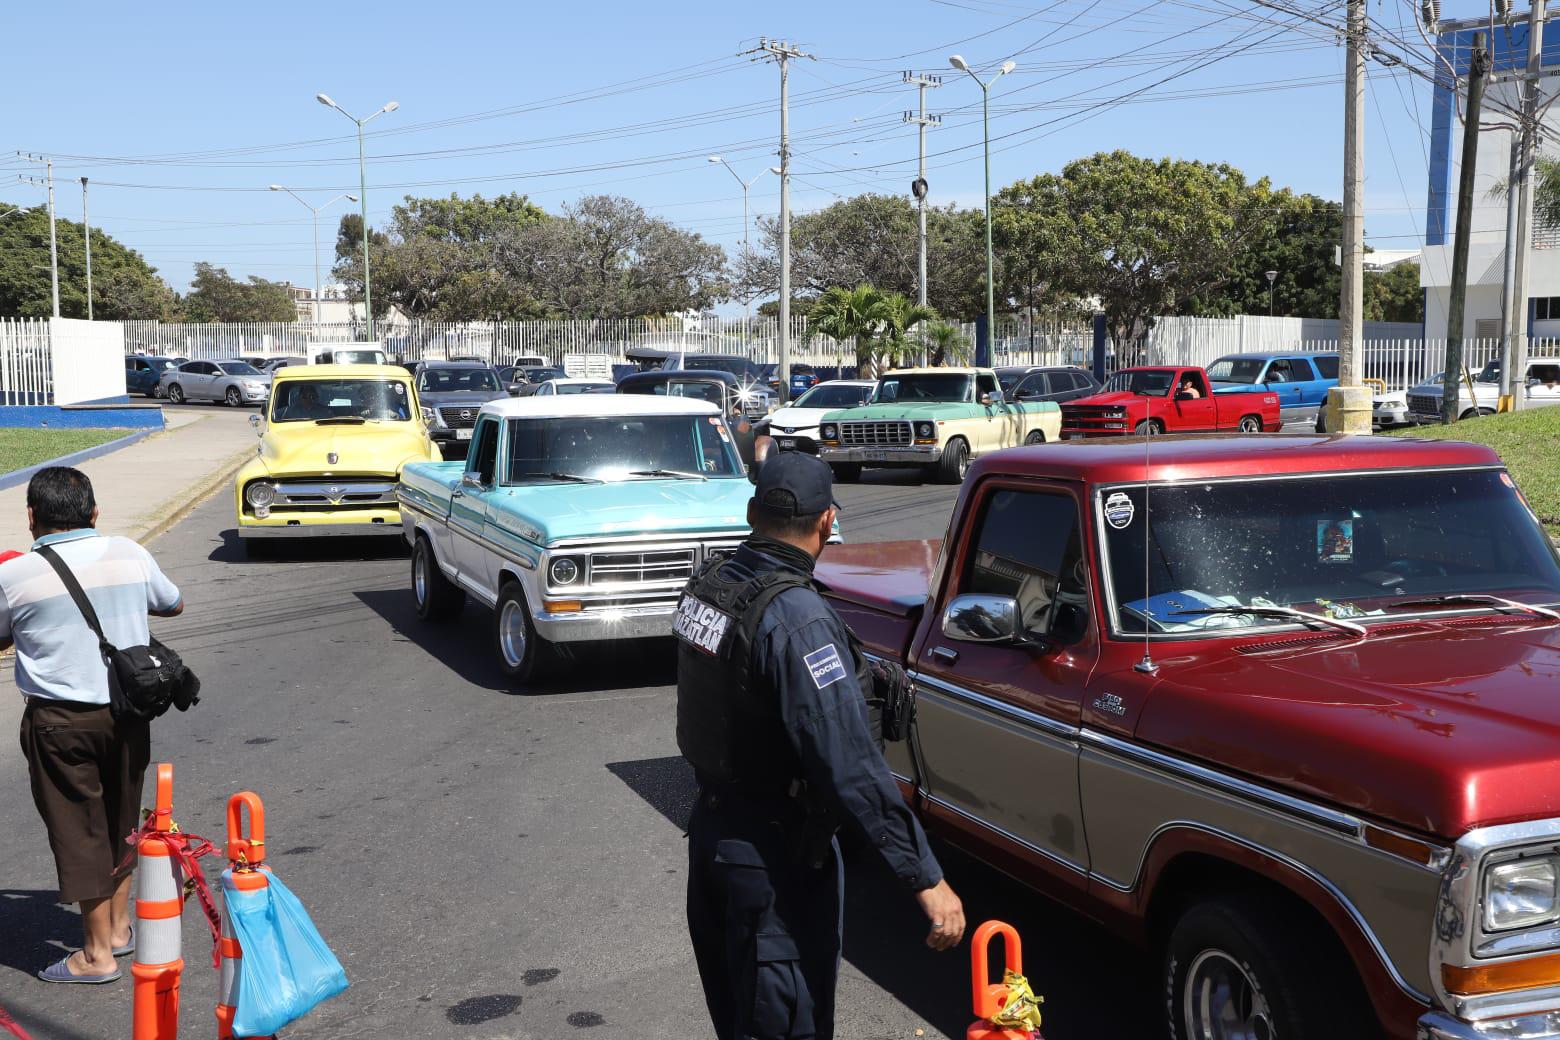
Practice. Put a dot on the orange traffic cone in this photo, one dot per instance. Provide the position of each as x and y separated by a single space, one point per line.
159 904
246 872
1007 1010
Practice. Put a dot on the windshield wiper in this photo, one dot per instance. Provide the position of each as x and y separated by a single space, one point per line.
667 473
1285 613
1475 599
573 478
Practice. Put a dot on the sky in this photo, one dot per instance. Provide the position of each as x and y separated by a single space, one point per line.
182 115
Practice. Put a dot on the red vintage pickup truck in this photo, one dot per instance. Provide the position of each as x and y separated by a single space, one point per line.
1285 708
1167 399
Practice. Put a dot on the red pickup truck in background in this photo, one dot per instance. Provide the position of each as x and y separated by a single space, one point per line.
1168 399
1281 708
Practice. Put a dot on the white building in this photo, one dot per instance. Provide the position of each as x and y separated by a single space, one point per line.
336 309
1487 242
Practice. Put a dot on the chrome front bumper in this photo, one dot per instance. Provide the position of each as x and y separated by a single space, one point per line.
1438 1025
361 530
905 455
637 622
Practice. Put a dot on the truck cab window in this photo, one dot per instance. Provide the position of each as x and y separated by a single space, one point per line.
1280 372
985 383
483 458
1027 547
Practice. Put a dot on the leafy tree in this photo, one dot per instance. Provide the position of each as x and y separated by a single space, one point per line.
216 295
124 285
900 315
1394 294
946 344
1298 241
605 257
1145 237
849 315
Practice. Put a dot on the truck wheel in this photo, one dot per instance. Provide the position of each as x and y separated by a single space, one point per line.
175 393
1250 424
955 462
846 472
520 653
1035 437
438 598
1227 976
1149 428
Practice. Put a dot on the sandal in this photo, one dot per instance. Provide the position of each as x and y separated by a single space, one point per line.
60 971
129 946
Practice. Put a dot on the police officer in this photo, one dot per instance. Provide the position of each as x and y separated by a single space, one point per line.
772 714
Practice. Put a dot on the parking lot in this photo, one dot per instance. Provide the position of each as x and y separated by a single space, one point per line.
489 863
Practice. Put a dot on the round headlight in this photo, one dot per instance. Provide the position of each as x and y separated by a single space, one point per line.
1521 894
260 494
923 429
564 571
828 431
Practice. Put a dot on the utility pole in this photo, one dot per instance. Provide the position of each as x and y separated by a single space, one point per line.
1510 320
781 52
919 187
1513 368
1348 406
86 230
1478 68
54 252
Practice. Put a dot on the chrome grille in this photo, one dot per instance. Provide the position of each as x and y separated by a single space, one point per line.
614 568
345 492
861 434
1424 404
459 417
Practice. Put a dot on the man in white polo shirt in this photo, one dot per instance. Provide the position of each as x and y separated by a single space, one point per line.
86 768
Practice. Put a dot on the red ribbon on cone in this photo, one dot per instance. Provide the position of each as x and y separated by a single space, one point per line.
187 849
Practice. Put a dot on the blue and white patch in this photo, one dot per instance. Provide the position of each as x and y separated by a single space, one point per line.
825 666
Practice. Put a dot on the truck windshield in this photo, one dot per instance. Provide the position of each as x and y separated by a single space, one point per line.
924 387
1153 382
619 447
1344 547
1235 370
836 396
456 380
303 400
698 389
1490 373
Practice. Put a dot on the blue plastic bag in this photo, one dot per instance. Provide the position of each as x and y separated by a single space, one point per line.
286 968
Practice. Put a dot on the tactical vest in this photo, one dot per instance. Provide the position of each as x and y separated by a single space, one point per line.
728 723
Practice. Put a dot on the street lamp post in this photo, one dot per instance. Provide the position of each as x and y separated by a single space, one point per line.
315 212
959 63
389 106
1272 276
746 305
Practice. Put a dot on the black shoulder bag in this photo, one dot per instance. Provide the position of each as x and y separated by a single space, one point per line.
142 680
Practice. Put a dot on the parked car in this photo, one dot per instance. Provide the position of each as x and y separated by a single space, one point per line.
276 364
1296 734
1542 389
1301 381
452 392
718 388
235 382
523 380
346 354
751 377
1387 409
566 385
935 420
803 378
1047 383
794 427
143 372
1156 399
574 523
531 361
334 440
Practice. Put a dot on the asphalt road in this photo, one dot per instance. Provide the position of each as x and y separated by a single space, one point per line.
488 863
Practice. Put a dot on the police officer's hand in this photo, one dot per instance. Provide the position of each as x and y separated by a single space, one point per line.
946 913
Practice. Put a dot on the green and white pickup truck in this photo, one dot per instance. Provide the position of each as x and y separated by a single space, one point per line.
935 419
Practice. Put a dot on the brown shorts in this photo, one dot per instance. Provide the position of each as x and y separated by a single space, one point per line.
86 773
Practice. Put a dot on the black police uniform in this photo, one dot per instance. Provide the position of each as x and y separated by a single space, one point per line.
773 717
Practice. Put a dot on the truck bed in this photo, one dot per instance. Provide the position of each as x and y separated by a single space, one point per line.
880 588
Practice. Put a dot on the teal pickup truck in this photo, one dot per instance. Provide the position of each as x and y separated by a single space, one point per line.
935 420
574 518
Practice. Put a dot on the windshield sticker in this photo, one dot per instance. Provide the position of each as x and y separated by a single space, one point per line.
1119 510
1335 541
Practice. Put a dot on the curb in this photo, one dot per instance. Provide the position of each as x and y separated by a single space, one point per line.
197 494
22 476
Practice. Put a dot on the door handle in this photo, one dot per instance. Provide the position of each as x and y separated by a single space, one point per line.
942 653
456 492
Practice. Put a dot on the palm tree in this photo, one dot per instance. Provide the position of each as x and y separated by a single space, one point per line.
899 316
948 344
849 314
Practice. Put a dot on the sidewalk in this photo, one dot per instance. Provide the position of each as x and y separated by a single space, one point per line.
143 489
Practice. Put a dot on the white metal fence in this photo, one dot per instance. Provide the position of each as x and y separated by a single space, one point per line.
26 375
60 361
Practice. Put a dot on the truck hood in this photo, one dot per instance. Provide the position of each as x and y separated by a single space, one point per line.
300 449
1116 397
571 511
1438 726
455 398
797 418
896 410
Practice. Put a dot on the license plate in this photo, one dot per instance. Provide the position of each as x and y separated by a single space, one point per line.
876 456
463 435
787 443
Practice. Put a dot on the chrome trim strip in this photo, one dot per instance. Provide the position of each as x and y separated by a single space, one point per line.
1076 868
455 528
980 700
1320 815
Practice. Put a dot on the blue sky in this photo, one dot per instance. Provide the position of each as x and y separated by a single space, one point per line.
182 118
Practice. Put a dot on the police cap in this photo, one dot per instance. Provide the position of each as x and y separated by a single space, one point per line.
793 483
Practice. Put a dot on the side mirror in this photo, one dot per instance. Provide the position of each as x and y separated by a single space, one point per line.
514 391
980 618
254 422
994 397
472 481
